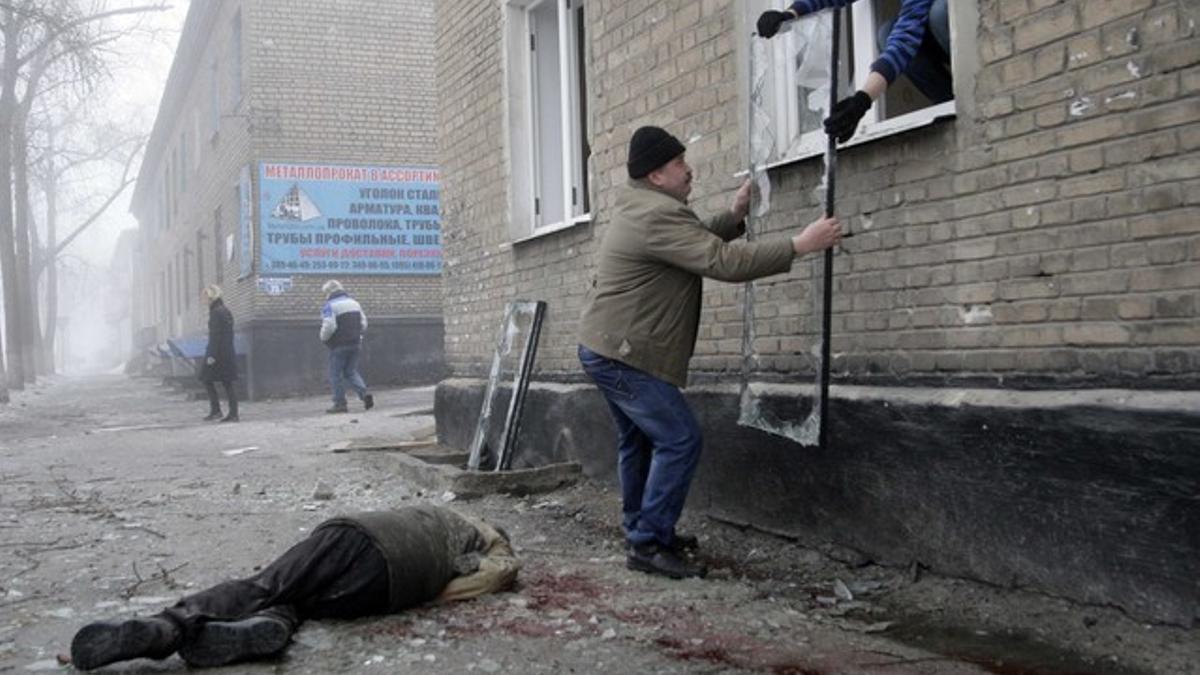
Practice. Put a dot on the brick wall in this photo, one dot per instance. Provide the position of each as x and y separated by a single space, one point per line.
352 83
322 82
211 177
479 271
1047 236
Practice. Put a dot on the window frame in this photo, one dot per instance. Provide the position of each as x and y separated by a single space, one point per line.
172 186
185 278
183 162
197 138
527 218
214 99
863 29
164 202
218 245
236 38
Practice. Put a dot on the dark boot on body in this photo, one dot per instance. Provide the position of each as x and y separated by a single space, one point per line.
104 642
218 643
214 415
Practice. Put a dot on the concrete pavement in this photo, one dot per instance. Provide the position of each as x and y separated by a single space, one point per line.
115 499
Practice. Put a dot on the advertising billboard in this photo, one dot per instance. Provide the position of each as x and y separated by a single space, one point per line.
349 219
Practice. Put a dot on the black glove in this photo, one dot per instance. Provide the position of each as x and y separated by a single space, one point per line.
770 21
846 115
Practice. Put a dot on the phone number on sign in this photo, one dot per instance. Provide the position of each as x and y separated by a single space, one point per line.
383 265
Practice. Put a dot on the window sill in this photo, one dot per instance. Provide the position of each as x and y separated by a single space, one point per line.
813 143
554 229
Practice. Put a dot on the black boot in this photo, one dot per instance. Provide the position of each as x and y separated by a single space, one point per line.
104 642
682 544
662 560
218 643
231 395
214 402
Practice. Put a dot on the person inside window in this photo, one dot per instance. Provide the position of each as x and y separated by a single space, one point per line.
915 43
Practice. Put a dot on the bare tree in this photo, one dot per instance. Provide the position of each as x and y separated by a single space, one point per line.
11 30
109 146
40 36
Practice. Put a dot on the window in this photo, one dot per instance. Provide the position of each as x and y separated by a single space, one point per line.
242 195
547 87
214 98
163 201
218 256
186 281
180 303
197 135
236 50
170 291
199 260
797 61
183 164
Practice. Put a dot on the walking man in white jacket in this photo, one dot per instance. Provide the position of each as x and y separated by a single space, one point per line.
342 326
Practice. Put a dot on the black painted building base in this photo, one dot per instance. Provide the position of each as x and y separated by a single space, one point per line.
1088 495
285 357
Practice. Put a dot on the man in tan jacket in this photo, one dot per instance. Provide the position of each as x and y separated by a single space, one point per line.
638 332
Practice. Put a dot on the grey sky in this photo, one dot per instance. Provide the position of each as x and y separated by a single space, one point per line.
133 93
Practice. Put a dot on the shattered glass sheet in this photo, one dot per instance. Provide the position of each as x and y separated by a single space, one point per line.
512 363
789 97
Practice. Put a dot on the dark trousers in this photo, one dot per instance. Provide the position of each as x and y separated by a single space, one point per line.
337 572
214 403
658 446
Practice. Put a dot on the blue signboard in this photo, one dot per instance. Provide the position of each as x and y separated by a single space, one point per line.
339 219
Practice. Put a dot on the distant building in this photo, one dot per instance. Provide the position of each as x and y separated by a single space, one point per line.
119 300
295 143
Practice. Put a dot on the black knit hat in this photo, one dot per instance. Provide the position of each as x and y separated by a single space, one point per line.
650 148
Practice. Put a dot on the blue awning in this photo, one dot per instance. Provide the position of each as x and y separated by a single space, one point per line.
194 346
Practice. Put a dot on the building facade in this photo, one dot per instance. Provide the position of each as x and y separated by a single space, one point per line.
270 104
1016 320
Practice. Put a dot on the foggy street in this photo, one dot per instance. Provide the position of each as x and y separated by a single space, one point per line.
797 337
115 500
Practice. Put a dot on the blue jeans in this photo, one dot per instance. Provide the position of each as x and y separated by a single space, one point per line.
343 365
927 70
658 446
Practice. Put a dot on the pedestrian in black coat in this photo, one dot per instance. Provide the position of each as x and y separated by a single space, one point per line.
220 364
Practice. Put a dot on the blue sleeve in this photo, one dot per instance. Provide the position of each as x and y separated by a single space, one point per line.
802 7
903 40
